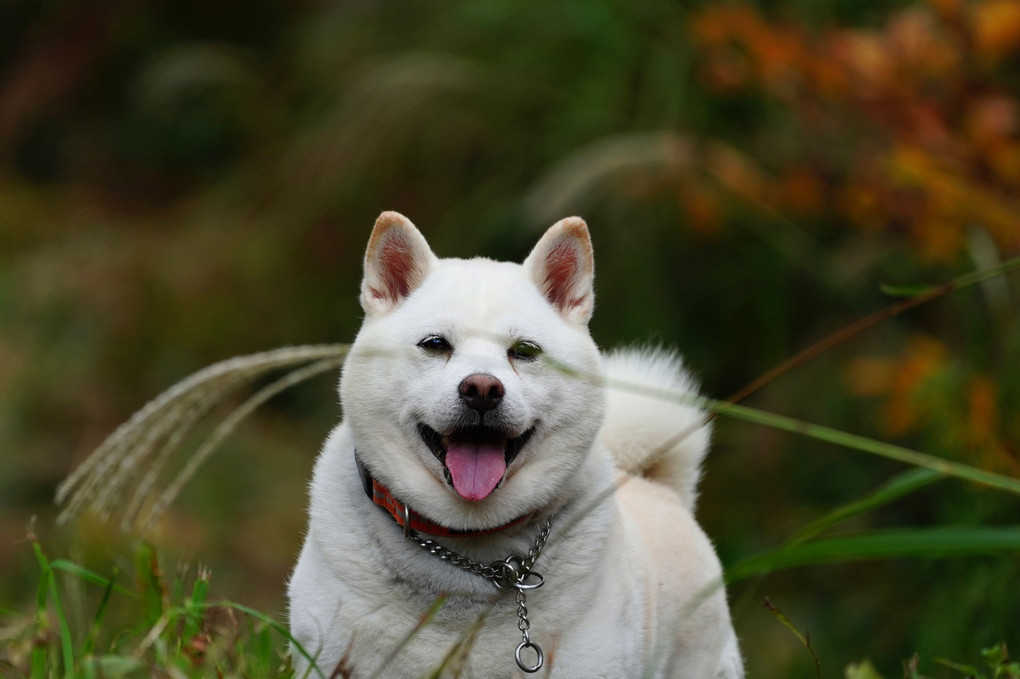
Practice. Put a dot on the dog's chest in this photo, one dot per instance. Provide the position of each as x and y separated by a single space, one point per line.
584 628
483 645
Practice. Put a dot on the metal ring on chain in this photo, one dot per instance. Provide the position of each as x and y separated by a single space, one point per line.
505 574
527 643
522 581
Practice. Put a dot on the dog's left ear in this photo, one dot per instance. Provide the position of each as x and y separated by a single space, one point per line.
396 262
563 267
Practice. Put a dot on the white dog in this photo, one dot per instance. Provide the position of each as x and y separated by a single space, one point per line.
491 504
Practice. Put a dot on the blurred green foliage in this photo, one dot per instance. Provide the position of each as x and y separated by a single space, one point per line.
185 181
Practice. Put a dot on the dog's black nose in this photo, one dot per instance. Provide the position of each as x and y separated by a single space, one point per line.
481 392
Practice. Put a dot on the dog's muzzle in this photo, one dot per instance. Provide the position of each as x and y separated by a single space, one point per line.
475 458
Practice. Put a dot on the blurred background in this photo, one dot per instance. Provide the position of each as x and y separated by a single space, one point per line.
185 181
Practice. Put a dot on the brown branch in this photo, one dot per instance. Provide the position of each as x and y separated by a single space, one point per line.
839 337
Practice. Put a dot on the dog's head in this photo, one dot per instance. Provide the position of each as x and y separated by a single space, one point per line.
470 390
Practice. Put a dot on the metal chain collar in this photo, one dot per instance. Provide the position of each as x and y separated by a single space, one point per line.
512 572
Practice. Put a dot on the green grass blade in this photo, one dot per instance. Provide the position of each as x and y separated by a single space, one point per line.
900 485
958 283
46 572
89 576
66 642
940 542
40 654
968 670
278 626
151 585
866 445
194 606
907 290
97 619
829 435
48 594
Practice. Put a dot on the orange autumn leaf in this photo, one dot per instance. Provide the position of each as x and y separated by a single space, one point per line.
925 358
984 410
996 27
937 151
983 424
991 120
953 198
1004 161
735 171
801 191
869 375
863 204
701 203
947 9
938 240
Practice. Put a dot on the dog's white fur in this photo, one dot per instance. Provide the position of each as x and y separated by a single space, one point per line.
633 586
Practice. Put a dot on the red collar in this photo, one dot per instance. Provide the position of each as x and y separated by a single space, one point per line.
410 520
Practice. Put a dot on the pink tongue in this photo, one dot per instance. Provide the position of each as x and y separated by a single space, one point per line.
475 468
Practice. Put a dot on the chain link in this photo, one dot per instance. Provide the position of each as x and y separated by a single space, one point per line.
497 570
522 612
511 573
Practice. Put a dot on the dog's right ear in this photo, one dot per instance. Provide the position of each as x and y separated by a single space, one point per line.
396 262
563 268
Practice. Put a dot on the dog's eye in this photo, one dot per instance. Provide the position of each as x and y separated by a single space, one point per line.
435 344
524 350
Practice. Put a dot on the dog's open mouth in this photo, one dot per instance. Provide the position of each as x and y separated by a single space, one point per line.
474 458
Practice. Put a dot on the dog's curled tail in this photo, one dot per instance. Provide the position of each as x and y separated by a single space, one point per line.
654 427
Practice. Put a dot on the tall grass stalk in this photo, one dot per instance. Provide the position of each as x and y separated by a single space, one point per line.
152 434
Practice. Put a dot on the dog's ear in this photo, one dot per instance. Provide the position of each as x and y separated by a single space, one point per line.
563 268
396 262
